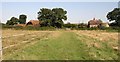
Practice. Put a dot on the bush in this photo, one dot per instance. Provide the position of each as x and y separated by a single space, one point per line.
27 28
85 28
70 26
6 26
108 29
113 29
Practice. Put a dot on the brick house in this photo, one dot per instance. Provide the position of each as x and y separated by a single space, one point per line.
94 23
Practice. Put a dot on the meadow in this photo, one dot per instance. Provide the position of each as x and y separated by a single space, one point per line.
59 45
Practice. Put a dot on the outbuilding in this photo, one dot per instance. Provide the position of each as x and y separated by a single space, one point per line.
35 23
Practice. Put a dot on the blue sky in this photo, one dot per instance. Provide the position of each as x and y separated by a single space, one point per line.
59 0
77 12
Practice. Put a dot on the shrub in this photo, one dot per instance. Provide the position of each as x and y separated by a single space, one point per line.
27 27
70 26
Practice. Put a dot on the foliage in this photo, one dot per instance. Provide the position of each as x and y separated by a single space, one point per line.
52 17
22 19
75 26
27 28
38 28
114 15
70 25
82 25
12 21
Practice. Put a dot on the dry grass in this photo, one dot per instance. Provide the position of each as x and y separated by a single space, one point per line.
101 35
93 43
111 38
11 37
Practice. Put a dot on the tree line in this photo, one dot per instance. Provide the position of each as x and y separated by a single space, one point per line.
55 17
14 20
48 17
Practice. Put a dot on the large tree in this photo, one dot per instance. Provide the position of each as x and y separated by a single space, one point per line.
59 15
22 19
45 15
12 21
114 16
52 17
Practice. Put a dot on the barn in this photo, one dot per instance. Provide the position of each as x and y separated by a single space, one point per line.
35 23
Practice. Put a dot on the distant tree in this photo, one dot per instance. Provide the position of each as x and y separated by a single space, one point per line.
69 25
82 25
12 21
114 16
52 17
22 19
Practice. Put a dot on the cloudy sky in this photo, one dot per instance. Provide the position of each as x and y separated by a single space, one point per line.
76 11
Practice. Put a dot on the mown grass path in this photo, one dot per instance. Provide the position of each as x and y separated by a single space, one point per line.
65 45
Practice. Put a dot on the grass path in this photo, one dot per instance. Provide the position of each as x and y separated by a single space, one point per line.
65 45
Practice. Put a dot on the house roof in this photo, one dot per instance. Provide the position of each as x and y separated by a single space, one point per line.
94 22
34 22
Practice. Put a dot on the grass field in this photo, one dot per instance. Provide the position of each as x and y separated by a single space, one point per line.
59 45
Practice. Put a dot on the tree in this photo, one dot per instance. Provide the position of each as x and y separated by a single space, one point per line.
59 15
12 21
45 16
52 17
22 19
114 16
82 25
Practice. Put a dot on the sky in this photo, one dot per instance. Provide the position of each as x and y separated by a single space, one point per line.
119 4
77 12
60 0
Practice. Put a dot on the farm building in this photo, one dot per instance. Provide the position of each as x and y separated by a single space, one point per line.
35 23
94 23
97 23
